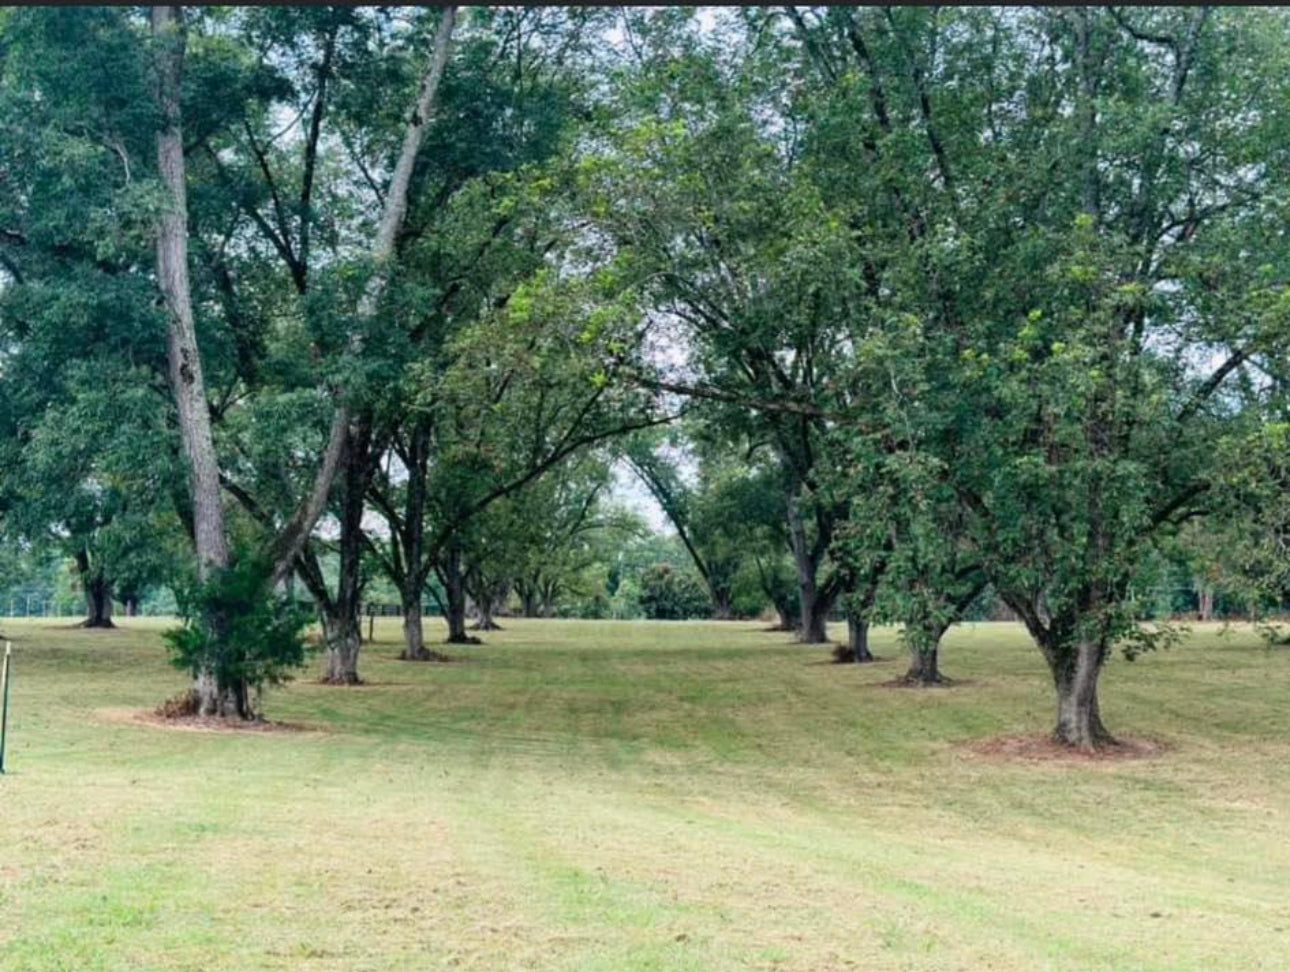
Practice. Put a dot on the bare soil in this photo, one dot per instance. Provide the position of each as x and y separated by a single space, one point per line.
1044 749
192 723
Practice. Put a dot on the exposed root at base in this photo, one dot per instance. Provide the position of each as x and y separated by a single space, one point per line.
1046 749
465 640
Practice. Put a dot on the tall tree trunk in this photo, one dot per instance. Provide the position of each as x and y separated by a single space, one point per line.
414 637
344 624
1075 674
722 604
815 604
185 364
131 603
454 589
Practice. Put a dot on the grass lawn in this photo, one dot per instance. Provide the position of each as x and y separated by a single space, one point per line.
616 795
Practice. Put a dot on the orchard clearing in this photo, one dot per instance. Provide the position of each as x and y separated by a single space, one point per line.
646 795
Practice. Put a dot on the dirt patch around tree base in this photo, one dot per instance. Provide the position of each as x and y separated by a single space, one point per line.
430 658
1045 749
191 723
944 683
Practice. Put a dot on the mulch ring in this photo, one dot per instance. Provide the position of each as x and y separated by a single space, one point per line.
1044 749
192 723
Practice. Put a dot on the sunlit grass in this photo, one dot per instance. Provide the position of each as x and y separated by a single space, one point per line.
587 795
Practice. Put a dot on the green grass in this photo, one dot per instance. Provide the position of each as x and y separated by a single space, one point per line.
616 795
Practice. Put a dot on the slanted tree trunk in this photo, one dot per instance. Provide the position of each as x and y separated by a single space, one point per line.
185 364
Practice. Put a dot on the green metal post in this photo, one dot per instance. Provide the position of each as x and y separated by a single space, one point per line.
4 706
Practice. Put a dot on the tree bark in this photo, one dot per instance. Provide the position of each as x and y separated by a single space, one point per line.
815 603
414 636
722 606
786 620
1205 602
484 616
98 593
1075 675
454 588
296 535
184 360
98 604
530 602
925 658
343 624
858 639
924 667
341 636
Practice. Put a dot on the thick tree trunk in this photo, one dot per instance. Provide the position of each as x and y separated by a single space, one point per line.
925 660
185 364
484 615
98 593
858 639
341 633
924 667
1075 675
98 604
722 606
